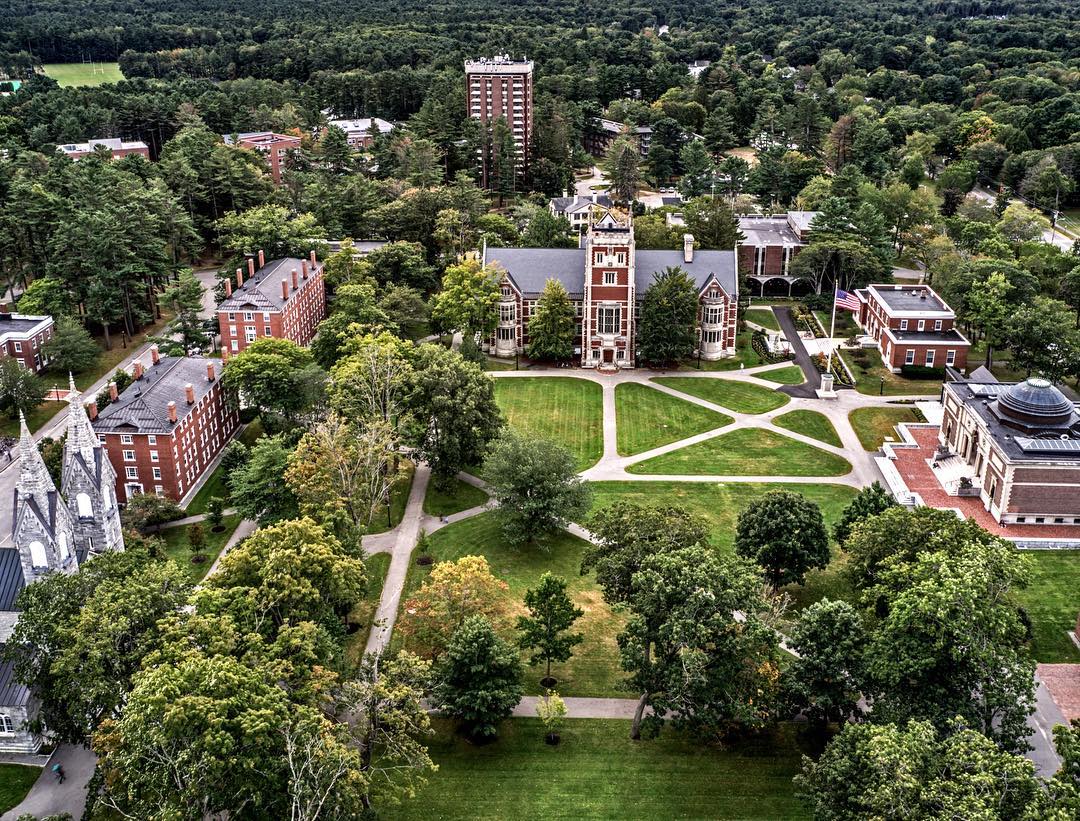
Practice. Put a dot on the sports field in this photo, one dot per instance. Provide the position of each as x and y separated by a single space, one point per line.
84 74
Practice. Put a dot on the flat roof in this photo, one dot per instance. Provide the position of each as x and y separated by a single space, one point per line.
913 299
261 138
363 124
1053 444
22 326
768 231
499 65
949 336
112 143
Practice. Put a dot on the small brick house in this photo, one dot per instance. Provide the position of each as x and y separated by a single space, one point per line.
912 326
167 428
22 337
283 298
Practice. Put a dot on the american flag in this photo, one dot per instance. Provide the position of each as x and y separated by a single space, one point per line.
847 301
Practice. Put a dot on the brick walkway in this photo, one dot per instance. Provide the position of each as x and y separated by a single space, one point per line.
911 464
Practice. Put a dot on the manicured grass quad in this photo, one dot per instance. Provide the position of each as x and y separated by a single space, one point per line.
869 374
872 425
564 409
790 375
15 782
597 772
720 505
763 317
1051 602
741 397
453 498
746 452
648 418
809 423
745 357
593 670
178 548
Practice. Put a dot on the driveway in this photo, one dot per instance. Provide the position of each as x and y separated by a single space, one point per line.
802 358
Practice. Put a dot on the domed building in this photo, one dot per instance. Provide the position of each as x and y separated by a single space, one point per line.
1021 442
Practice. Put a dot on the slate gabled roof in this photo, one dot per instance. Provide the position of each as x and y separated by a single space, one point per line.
144 406
706 264
11 577
262 291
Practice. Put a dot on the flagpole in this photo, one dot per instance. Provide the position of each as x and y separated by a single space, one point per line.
832 331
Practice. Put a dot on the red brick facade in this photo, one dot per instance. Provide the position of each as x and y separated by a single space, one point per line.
922 333
163 456
22 338
284 299
275 149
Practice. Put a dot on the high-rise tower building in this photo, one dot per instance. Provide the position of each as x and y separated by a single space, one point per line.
502 87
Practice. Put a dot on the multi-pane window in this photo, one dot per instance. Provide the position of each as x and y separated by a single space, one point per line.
607 319
950 358
909 358
507 312
125 439
930 358
937 324
131 473
609 277
129 456
713 314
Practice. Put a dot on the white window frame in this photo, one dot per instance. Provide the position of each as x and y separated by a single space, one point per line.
611 278
937 324
126 439
131 473
909 356
903 324
931 355
950 358
608 316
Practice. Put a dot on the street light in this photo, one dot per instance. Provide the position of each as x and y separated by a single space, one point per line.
881 390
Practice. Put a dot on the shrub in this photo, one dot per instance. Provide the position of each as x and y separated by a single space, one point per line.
922 372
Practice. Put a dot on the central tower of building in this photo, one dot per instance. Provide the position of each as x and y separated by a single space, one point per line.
607 324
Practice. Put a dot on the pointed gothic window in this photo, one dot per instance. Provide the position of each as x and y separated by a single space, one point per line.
63 546
37 555
85 506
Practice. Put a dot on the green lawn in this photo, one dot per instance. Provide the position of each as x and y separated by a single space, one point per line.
597 772
790 375
872 425
399 495
364 612
15 782
721 504
457 496
593 670
809 423
745 357
845 323
564 409
252 432
1051 602
869 375
214 486
741 397
84 74
648 418
493 364
746 452
763 317
38 417
179 550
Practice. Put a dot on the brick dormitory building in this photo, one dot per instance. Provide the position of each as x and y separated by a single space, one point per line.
22 337
274 147
167 428
606 280
283 298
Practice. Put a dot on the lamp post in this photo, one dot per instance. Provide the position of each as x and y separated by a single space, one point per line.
881 390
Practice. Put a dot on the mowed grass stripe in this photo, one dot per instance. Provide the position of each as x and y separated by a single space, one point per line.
593 669
872 425
746 452
741 397
648 418
791 375
809 423
597 772
564 409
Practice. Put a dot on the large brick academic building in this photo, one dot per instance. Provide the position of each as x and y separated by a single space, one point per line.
283 298
606 280
912 326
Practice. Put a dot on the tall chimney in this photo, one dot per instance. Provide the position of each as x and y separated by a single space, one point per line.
189 393
239 277
303 267
687 247
251 267
312 257
114 394
155 353
91 410
284 289
172 412
295 281
138 370
210 375
262 258
228 288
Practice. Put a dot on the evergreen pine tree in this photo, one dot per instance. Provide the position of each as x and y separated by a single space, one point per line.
551 326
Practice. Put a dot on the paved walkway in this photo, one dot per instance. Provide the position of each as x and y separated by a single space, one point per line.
802 358
47 797
582 707
405 536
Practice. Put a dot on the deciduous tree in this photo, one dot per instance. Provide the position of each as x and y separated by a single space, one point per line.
469 298
544 630
784 533
71 348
